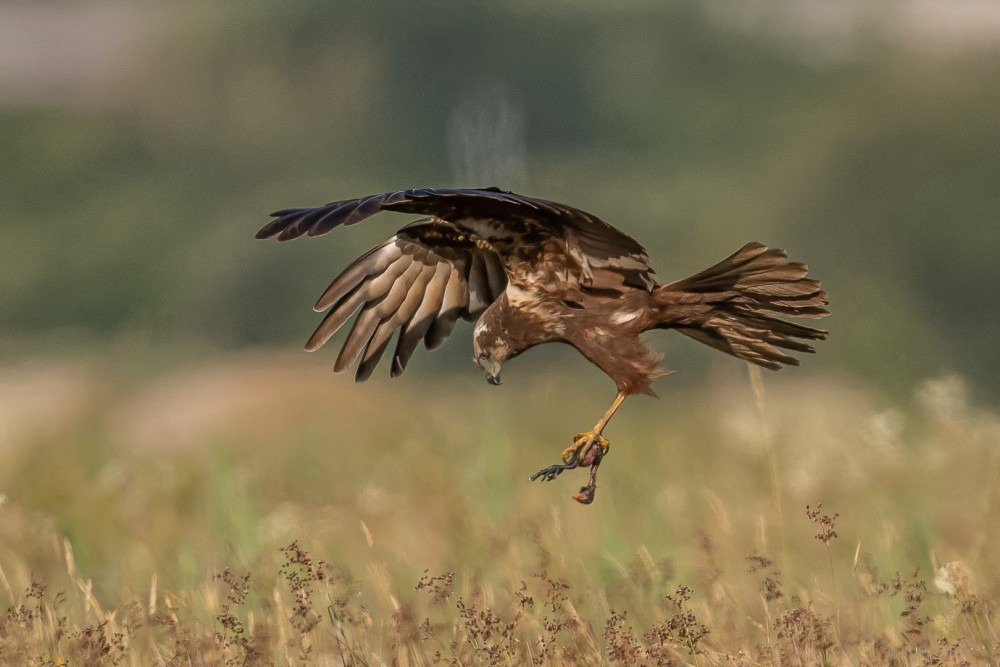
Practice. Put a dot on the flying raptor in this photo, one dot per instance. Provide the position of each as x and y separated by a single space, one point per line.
530 271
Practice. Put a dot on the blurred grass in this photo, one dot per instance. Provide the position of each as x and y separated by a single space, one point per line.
167 479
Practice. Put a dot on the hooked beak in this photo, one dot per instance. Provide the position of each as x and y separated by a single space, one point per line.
493 374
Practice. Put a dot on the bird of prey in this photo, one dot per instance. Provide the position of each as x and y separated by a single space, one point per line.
529 271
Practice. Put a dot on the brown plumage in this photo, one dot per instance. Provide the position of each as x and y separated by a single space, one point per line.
531 271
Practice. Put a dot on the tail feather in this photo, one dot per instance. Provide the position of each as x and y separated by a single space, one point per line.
736 306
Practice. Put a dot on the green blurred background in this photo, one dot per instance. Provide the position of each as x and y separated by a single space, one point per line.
144 143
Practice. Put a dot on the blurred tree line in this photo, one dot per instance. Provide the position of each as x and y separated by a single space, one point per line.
129 209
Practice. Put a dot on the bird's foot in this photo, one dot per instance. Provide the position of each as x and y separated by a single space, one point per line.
553 471
588 449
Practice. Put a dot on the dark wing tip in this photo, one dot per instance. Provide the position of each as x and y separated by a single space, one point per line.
282 220
268 230
290 223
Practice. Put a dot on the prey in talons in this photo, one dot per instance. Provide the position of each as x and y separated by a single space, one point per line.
585 445
588 449
586 494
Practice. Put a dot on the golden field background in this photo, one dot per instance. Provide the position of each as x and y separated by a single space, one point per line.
128 496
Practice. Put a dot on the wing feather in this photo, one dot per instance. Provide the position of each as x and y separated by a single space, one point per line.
372 286
414 330
383 333
361 332
498 217
367 324
371 355
479 287
381 304
372 344
495 276
372 263
420 282
456 299
334 320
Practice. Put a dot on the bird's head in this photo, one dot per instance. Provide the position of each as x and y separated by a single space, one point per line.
491 348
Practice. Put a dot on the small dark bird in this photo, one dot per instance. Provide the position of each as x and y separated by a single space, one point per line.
530 271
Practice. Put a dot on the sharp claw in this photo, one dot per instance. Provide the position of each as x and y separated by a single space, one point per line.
588 450
550 473
582 442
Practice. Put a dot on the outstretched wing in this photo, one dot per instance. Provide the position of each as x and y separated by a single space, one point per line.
518 228
420 281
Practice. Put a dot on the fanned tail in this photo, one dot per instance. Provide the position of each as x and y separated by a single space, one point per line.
736 306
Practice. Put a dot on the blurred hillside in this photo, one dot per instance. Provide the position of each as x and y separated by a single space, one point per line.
144 144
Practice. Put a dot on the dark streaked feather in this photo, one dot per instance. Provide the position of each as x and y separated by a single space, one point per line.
479 287
749 291
419 282
498 217
496 277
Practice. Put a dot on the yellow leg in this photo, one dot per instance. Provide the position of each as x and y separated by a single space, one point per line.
587 450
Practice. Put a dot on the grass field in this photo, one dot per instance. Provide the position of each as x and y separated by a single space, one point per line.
258 510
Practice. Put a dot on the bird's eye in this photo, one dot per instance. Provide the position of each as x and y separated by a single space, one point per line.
484 355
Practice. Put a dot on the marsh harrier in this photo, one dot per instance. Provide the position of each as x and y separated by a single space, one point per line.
530 271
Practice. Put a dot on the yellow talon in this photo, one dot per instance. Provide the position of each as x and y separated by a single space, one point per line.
582 442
